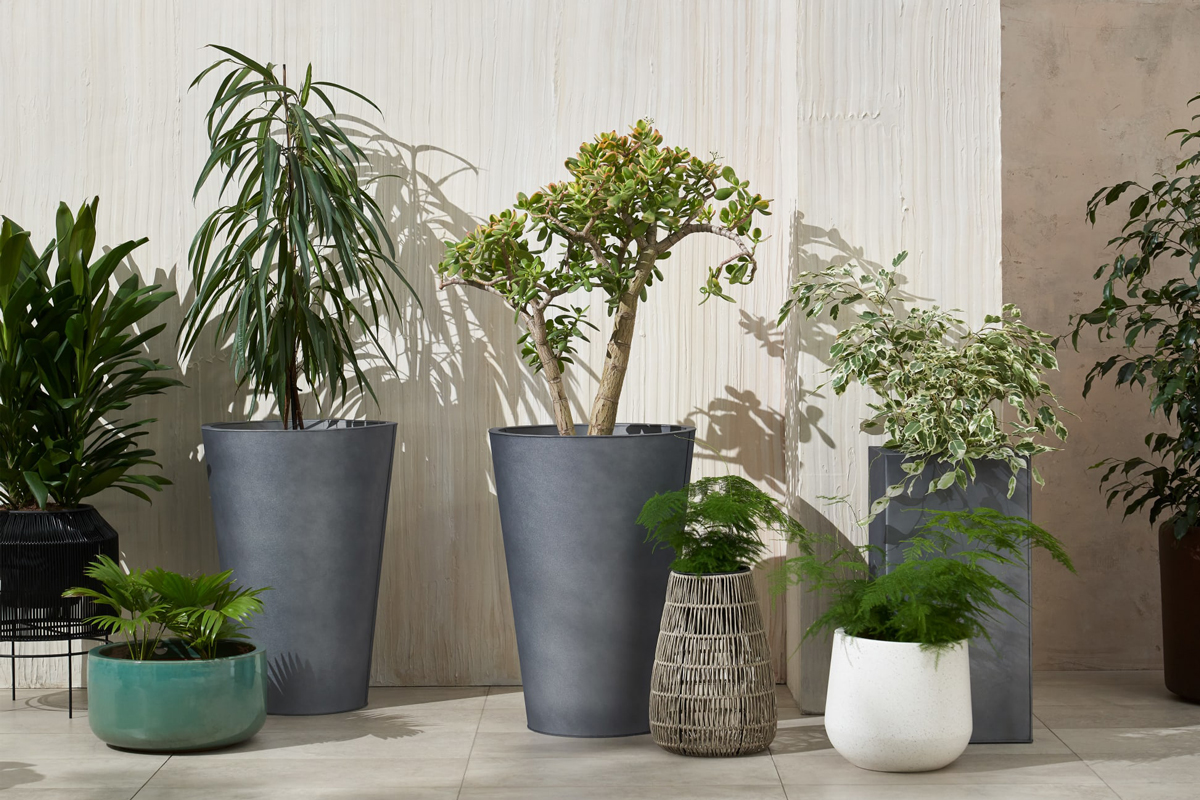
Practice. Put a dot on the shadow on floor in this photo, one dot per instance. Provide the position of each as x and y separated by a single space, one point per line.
56 700
17 773
800 739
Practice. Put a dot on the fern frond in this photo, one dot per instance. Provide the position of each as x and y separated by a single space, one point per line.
715 525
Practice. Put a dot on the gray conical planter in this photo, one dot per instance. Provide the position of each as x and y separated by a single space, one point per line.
304 512
587 591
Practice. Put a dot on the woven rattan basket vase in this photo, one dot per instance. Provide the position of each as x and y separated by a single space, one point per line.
713 688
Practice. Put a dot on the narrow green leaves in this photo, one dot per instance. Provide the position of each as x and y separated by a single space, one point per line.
715 525
940 591
298 266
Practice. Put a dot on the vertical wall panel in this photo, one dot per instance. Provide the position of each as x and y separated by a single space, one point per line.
897 123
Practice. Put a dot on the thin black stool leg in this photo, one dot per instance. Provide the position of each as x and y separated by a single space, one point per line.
12 651
70 685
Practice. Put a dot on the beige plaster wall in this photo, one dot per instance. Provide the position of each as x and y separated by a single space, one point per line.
1090 90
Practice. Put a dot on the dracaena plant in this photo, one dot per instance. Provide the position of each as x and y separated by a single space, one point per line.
1150 305
72 360
203 611
300 257
941 389
942 590
629 203
715 525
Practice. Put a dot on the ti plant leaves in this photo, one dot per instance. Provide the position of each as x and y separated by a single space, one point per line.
300 257
1150 308
944 396
72 359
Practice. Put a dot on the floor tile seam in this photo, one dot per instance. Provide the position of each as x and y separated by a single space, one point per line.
147 783
778 777
474 736
1083 760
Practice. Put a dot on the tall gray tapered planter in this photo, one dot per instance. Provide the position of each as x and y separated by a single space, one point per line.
304 512
1001 675
587 590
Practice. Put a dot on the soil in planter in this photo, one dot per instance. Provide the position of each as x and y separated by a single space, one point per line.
224 650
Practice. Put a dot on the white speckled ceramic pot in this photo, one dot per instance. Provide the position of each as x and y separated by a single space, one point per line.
893 707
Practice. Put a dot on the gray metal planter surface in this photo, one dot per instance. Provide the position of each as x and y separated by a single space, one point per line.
304 512
1001 676
587 591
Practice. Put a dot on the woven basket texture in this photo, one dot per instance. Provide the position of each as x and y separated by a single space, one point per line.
713 688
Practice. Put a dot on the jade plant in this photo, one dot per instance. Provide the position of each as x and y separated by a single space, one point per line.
941 388
1150 307
300 256
204 613
72 360
715 525
941 591
629 202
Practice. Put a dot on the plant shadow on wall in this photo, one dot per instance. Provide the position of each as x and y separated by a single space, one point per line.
448 369
443 349
814 250
740 428
210 389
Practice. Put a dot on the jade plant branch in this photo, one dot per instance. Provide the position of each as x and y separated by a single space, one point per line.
629 203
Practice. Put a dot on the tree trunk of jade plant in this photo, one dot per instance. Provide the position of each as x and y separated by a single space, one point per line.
616 361
536 324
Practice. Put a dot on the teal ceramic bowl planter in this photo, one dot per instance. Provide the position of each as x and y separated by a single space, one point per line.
173 706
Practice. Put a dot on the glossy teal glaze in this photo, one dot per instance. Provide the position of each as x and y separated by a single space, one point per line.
175 705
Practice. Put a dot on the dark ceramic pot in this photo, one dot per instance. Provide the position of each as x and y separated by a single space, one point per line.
1179 568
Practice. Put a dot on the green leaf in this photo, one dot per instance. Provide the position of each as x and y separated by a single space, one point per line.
946 480
304 275
40 492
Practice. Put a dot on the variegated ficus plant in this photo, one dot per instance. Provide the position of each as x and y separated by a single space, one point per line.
945 394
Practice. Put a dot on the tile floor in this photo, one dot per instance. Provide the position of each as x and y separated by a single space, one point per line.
1098 735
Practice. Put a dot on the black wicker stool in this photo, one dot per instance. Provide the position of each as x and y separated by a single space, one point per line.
42 554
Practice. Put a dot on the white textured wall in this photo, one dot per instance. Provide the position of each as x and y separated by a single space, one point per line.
873 122
897 147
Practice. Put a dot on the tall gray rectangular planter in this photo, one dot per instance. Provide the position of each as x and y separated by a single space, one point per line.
1001 673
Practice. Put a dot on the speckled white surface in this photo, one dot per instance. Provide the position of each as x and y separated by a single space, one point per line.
893 707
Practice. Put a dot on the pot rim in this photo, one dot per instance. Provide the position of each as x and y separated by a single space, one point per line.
260 426
526 431
66 510
99 652
842 633
739 571
880 450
